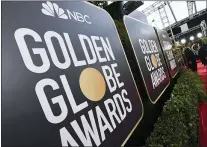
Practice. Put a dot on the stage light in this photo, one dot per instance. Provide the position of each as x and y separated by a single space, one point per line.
199 35
183 41
191 38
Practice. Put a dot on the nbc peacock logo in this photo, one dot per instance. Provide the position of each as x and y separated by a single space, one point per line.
52 9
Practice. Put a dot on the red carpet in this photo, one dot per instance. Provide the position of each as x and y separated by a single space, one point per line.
202 73
202 108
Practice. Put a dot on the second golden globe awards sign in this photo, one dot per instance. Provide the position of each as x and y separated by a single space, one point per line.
149 57
167 50
65 77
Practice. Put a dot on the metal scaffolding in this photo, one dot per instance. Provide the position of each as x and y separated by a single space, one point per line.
202 12
172 11
154 7
159 4
160 7
203 27
163 17
190 8
195 7
191 29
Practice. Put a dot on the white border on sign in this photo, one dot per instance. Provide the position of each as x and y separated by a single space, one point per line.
130 72
0 75
153 102
176 72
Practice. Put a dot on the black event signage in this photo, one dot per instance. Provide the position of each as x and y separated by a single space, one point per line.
139 16
167 50
65 77
149 57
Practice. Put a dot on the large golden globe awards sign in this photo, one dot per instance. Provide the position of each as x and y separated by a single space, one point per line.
149 57
167 50
65 77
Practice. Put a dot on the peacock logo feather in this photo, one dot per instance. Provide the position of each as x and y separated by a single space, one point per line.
52 9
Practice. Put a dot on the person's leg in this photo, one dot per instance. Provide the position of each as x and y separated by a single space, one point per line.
194 66
189 65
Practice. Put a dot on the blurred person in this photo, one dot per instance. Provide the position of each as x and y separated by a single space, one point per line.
183 55
202 53
190 58
194 48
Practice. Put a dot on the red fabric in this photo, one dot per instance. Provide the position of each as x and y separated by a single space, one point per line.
203 125
202 73
202 108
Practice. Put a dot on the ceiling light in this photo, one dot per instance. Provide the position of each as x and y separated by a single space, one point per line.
199 35
191 38
183 41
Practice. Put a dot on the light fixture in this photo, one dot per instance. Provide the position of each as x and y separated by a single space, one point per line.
191 38
183 41
199 35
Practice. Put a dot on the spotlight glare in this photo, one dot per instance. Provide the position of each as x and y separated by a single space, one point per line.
199 35
191 38
183 41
